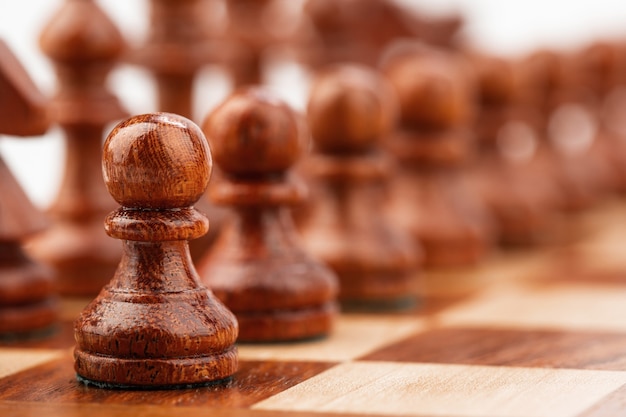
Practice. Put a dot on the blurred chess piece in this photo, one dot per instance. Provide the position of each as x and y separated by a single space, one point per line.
154 325
433 147
259 267
84 45
571 129
359 30
604 66
521 196
351 111
27 301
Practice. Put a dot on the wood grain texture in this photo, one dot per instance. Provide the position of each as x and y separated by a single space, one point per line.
154 325
500 340
459 390
507 347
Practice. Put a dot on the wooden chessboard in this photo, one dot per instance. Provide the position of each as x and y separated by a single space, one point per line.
530 333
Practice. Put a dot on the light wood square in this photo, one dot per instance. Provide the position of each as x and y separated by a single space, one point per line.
354 336
571 306
16 360
450 390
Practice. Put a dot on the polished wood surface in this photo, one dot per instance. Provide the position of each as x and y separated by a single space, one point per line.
529 333
154 325
258 266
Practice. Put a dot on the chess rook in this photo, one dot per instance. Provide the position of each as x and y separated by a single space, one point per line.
154 325
258 267
351 109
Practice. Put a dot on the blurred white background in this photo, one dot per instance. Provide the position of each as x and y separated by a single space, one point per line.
510 28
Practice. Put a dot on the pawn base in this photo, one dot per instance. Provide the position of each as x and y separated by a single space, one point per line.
154 373
377 291
286 325
28 320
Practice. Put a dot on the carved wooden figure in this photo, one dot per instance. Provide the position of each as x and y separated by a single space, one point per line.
182 40
570 129
155 325
359 30
433 146
522 196
84 45
351 109
27 301
258 267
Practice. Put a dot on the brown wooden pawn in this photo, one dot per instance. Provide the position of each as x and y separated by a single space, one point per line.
433 147
27 302
522 197
84 45
258 267
351 108
570 129
155 325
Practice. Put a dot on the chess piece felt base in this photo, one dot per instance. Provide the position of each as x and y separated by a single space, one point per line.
27 304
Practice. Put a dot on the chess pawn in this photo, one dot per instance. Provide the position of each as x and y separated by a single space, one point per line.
154 325
351 109
522 198
27 301
570 130
84 45
433 147
258 266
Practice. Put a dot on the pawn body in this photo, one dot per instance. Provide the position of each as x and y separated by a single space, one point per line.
350 110
433 146
154 325
258 267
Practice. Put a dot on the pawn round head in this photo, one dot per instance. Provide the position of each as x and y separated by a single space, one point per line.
350 109
253 133
433 88
495 79
156 161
